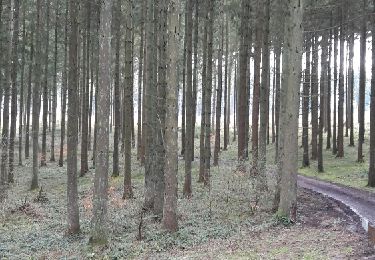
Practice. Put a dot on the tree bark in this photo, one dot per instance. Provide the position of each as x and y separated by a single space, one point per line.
171 123
362 86
14 57
306 104
371 173
99 232
288 163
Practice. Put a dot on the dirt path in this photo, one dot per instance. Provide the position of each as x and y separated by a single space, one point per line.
361 202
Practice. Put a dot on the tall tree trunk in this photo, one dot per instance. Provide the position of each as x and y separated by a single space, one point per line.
242 86
323 83
140 80
227 86
288 163
277 97
36 96
116 91
219 91
257 82
195 75
335 85
54 90
207 150
362 86
371 173
45 87
171 123
314 99
306 104
183 105
64 88
29 94
329 90
204 89
14 57
73 111
22 87
264 98
188 97
340 118
128 100
351 84
99 230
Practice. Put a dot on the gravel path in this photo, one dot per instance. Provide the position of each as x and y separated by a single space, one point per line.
361 202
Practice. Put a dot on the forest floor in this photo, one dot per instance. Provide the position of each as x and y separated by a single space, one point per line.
223 222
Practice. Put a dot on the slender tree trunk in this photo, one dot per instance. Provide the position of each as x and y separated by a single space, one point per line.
362 86
329 91
323 83
36 95
306 105
72 131
183 108
335 81
14 57
195 75
99 232
45 88
204 90
128 100
29 94
264 99
257 82
340 119
54 90
226 90
189 99
277 98
64 88
219 91
22 87
140 80
116 90
314 99
351 84
207 152
371 174
171 123
242 87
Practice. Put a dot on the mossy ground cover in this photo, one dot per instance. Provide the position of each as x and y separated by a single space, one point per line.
223 222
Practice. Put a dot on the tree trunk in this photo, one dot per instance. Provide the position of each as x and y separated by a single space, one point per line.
371 173
64 88
207 151
140 80
219 91
22 87
323 83
14 68
351 84
99 232
256 89
340 119
45 88
195 75
116 90
306 105
335 81
264 99
171 123
128 100
204 90
189 99
242 87
362 86
314 99
288 163
54 90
